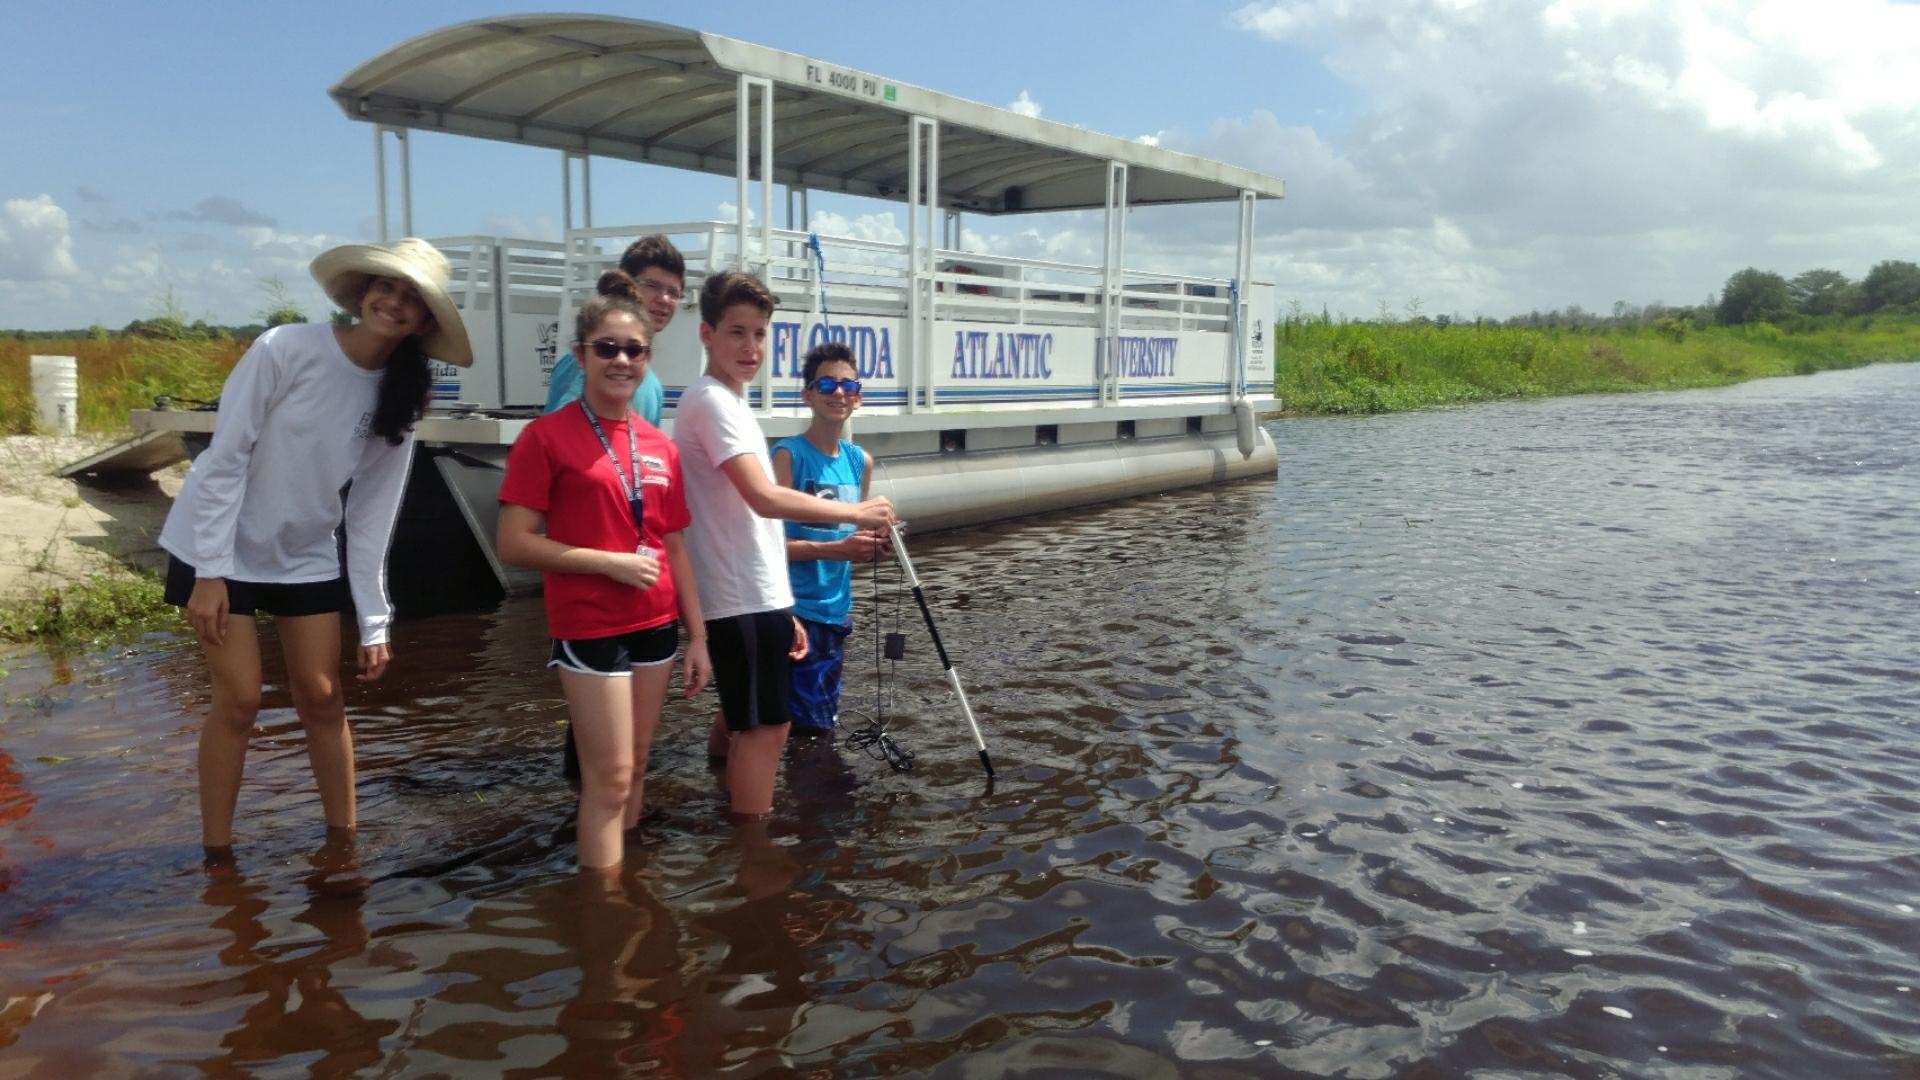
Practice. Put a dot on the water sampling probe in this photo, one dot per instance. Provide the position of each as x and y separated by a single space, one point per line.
933 629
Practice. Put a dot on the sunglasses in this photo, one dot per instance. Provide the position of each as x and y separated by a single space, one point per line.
607 349
827 384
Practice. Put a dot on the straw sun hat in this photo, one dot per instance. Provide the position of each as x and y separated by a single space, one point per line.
343 273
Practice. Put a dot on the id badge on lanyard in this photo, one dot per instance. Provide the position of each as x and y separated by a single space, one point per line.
635 504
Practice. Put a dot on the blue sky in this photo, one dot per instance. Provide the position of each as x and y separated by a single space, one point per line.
1483 157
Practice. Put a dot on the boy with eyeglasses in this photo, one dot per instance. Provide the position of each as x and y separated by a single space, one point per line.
824 463
660 271
737 544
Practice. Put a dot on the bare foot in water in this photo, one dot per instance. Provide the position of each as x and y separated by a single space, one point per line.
336 866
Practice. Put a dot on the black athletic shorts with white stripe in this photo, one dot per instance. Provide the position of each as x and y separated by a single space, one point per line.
750 667
619 654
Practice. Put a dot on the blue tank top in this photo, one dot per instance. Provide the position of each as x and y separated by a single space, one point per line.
823 588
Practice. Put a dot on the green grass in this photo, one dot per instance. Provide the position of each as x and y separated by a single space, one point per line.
117 376
115 605
1335 368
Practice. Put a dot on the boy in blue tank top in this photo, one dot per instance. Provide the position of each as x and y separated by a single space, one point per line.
824 463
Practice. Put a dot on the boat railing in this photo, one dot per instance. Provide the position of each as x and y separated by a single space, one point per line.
517 337
526 265
860 276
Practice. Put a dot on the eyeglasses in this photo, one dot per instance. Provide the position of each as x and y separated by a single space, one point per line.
607 349
662 290
827 384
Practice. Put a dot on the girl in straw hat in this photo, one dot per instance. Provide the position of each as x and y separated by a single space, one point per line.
308 409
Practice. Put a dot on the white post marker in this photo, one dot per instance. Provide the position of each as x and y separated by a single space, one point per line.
926 613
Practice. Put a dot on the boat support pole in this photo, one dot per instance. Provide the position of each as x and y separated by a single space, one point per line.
1243 421
926 613
380 177
406 180
401 140
749 90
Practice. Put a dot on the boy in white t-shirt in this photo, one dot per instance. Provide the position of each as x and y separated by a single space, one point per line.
737 542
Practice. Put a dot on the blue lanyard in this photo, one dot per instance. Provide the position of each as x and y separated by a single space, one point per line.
630 490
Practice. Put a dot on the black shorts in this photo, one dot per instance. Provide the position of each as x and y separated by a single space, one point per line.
750 667
262 597
619 654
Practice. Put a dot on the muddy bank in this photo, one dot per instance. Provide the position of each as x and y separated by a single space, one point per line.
56 533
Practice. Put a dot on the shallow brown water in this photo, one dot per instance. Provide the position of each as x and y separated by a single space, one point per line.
1573 736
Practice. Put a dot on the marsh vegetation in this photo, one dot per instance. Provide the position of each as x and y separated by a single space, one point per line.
1331 367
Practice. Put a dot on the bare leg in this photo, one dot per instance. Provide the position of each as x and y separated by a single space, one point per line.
235 667
718 739
765 868
602 711
649 694
751 767
311 646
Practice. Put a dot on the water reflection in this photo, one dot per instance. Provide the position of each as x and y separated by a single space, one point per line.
1566 736
297 1011
630 1012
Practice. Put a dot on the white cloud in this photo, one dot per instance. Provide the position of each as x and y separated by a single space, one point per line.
36 241
883 227
1492 155
132 272
215 275
267 240
1587 151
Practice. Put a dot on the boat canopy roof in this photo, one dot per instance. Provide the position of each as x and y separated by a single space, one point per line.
645 91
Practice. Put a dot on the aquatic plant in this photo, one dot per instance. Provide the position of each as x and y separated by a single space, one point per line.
111 605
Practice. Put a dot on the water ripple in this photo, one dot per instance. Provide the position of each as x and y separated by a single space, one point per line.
1571 736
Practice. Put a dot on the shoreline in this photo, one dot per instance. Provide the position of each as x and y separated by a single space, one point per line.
1597 391
1340 369
79 563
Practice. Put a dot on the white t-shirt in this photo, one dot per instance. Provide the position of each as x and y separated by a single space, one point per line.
739 558
262 502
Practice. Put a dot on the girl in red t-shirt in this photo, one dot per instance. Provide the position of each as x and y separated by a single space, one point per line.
593 499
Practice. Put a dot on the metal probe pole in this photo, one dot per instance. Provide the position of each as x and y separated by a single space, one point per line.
926 613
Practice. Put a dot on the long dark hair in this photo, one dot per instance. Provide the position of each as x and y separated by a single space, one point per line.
404 383
404 386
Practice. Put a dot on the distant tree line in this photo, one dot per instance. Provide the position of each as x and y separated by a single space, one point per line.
1754 295
1892 287
170 322
155 329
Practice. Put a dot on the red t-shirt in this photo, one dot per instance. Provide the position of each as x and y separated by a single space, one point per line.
559 468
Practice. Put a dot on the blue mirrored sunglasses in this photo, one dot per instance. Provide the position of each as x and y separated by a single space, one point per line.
827 384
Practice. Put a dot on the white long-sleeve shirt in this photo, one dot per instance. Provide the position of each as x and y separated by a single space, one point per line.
263 501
